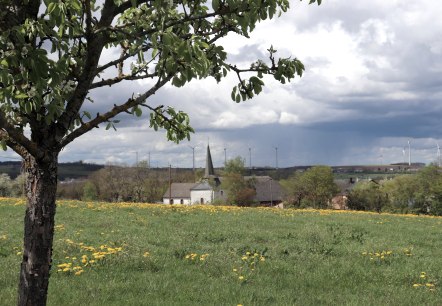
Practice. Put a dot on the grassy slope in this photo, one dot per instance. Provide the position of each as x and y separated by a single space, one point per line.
303 257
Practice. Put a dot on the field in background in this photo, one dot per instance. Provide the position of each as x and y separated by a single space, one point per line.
138 254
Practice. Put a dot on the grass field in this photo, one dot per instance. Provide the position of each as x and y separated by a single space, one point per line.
138 254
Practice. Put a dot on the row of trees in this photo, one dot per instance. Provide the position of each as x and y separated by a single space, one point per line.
420 193
117 183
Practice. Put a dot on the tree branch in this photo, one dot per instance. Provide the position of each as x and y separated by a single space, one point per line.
16 140
117 109
110 82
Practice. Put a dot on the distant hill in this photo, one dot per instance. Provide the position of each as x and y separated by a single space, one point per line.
73 170
76 170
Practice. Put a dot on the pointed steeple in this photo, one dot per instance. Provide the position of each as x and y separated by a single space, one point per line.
209 172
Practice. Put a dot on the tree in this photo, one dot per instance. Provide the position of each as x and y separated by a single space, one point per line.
368 196
5 185
236 165
50 63
402 191
294 189
89 192
240 191
429 193
315 187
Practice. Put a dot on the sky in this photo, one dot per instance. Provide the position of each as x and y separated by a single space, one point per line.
372 84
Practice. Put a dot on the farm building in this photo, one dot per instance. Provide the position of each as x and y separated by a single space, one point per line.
210 189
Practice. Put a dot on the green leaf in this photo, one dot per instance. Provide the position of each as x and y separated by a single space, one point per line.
233 93
138 112
3 145
215 5
21 95
4 63
87 114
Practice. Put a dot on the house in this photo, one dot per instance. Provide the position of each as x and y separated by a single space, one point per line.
178 193
209 189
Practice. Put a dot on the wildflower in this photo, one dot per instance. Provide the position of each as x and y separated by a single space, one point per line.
146 254
429 285
262 258
241 277
79 272
416 285
235 270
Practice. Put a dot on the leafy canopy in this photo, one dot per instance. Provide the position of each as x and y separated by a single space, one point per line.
51 60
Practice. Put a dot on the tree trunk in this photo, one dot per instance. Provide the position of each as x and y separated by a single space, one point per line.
41 187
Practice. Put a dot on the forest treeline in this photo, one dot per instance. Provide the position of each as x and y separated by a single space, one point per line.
315 187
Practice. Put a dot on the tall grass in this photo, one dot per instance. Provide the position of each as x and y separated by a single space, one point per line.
138 254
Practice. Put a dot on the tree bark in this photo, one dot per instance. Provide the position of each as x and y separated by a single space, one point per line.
41 187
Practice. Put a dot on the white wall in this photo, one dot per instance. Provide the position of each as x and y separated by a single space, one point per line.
186 201
197 195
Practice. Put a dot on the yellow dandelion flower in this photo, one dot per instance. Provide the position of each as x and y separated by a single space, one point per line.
262 258
416 285
66 269
19 253
429 285
241 277
423 276
79 272
244 258
146 254
235 270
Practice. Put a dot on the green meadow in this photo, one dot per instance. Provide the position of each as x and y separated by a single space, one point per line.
141 254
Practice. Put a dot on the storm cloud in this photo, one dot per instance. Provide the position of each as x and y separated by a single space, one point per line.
372 83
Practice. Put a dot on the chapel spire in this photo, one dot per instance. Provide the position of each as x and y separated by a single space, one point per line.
209 171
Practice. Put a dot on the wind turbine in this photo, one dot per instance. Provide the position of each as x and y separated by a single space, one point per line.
438 155
403 153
